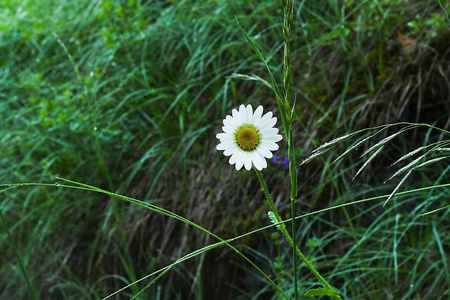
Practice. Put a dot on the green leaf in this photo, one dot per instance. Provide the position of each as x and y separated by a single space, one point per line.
273 219
320 292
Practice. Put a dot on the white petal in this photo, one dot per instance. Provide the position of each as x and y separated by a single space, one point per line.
243 113
259 161
238 120
228 143
269 131
248 161
266 118
229 151
242 110
271 138
224 145
264 162
257 165
227 129
239 160
268 124
222 135
229 122
257 115
264 151
271 146
221 147
232 159
226 138
248 114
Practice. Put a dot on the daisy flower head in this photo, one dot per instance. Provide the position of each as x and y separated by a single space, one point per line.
249 137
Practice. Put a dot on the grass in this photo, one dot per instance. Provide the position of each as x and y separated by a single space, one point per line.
128 95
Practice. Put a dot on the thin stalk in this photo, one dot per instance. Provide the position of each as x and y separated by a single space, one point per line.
287 23
282 227
443 9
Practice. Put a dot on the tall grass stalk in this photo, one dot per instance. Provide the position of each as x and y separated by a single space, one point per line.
284 106
287 23
287 124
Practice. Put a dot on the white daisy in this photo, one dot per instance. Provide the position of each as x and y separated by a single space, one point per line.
249 137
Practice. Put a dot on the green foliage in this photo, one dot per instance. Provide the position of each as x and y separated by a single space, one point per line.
128 96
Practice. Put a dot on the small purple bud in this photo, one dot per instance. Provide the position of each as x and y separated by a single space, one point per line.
275 159
286 161
281 204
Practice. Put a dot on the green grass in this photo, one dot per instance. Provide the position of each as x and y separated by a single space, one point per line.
128 96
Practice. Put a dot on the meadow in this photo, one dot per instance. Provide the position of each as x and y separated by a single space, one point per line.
106 102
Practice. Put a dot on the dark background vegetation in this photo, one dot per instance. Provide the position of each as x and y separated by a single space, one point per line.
128 96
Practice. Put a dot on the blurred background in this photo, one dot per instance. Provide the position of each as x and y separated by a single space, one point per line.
129 95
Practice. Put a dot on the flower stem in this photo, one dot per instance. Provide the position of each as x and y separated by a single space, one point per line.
283 229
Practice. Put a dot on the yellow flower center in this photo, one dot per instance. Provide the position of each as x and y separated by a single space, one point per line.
247 137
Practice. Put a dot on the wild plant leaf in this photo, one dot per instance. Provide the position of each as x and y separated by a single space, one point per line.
381 143
273 219
355 146
409 154
320 292
252 77
369 160
431 161
397 187
408 166
333 142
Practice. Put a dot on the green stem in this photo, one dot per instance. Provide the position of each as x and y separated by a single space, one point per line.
287 23
443 9
283 229
294 257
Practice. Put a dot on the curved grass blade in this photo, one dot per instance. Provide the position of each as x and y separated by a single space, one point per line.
335 141
173 215
342 205
86 187
355 146
409 154
441 249
431 161
369 160
397 187
435 211
311 157
252 77
383 142
408 166
225 242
